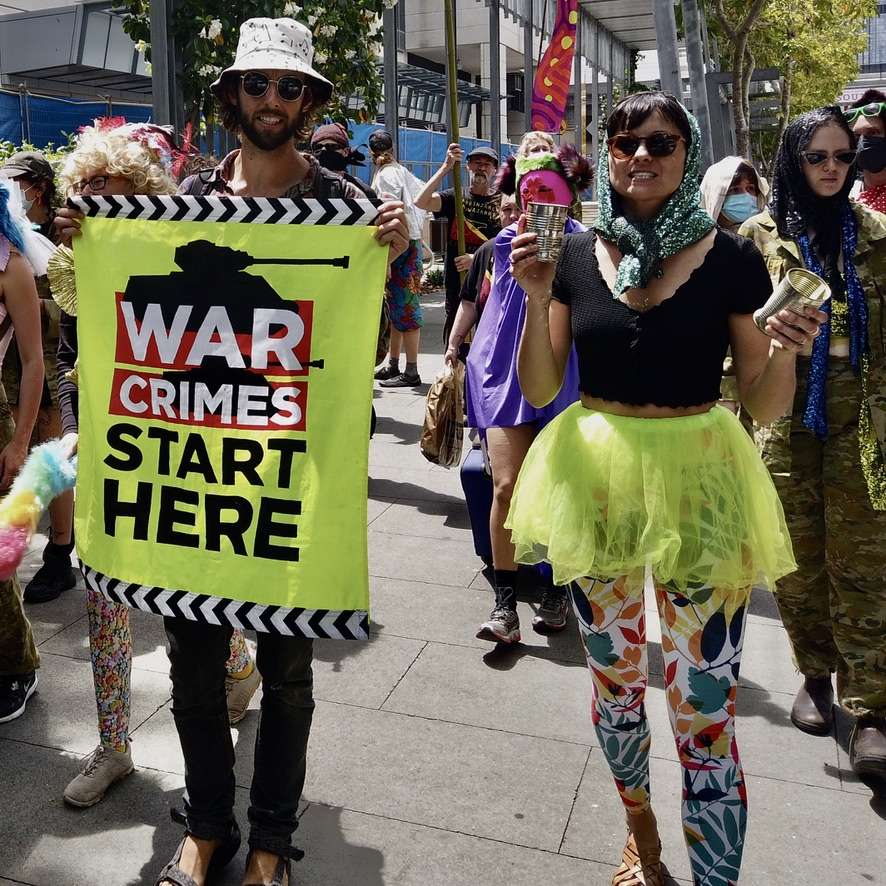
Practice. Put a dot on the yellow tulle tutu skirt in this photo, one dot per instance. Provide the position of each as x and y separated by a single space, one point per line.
604 495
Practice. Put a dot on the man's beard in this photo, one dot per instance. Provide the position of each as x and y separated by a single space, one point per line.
267 141
479 179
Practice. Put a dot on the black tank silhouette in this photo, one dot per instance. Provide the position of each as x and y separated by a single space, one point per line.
213 276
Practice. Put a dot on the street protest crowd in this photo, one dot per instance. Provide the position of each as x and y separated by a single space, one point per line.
646 410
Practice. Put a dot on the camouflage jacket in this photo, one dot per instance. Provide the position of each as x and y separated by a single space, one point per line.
870 262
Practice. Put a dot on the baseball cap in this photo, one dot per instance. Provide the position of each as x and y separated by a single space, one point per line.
380 141
30 163
481 151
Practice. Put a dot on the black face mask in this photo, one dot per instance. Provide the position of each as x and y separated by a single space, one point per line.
330 159
872 153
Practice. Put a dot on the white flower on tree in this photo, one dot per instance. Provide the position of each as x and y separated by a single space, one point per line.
291 10
213 32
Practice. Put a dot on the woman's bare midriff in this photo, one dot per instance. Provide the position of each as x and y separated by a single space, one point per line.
648 411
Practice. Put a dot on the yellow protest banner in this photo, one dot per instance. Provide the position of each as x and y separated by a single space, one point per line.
225 378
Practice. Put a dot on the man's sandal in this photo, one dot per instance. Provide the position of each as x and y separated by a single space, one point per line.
284 869
223 854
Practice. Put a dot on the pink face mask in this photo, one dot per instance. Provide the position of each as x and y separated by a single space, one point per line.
544 186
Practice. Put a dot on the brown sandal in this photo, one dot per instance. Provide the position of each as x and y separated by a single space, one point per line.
283 869
637 870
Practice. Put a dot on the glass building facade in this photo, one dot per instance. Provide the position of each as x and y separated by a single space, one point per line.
873 59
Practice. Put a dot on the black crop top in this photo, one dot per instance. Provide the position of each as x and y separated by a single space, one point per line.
671 355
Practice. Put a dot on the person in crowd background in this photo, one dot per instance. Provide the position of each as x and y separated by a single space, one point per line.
731 192
332 148
647 471
403 288
867 117
270 97
112 157
480 212
20 316
35 177
495 403
828 457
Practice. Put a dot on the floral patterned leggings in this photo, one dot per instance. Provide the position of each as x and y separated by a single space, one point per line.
110 645
701 645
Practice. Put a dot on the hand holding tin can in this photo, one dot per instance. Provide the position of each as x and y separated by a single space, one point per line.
548 221
798 289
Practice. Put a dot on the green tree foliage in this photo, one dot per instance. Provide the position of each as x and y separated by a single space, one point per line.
814 43
347 42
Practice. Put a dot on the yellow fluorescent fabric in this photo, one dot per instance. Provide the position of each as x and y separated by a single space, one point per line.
198 469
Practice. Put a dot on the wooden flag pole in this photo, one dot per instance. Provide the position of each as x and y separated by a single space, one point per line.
451 71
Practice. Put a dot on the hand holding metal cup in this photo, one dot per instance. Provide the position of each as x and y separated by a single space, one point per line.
798 290
548 221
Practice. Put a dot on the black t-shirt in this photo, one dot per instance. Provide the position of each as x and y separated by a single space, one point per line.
481 223
476 285
672 354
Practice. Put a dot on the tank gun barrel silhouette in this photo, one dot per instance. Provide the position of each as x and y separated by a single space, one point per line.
201 256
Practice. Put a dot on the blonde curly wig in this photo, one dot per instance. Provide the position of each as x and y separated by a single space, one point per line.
116 152
536 139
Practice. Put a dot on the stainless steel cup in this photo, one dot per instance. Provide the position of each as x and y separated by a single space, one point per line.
799 288
548 220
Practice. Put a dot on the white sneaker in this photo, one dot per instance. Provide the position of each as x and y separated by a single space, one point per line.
239 693
98 771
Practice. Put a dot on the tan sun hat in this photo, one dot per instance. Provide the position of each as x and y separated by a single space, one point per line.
276 44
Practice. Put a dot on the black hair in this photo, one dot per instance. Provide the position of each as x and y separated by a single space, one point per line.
632 111
871 97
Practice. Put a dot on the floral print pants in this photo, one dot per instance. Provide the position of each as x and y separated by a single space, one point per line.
110 646
701 645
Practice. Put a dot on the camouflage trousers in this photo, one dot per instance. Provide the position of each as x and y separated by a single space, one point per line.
18 654
834 606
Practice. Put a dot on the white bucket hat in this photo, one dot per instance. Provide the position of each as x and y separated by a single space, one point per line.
276 44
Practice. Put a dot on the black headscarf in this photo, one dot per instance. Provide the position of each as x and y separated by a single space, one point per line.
793 204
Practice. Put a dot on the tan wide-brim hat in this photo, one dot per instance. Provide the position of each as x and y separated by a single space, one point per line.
277 44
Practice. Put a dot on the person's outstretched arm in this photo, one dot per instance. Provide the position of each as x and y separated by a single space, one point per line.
428 198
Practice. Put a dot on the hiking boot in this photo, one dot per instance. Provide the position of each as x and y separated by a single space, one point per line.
551 613
402 380
387 371
867 747
503 626
239 693
98 771
15 690
55 576
813 710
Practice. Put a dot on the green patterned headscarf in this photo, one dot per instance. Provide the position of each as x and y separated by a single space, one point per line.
644 244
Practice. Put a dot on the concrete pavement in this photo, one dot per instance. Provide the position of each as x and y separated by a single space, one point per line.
434 759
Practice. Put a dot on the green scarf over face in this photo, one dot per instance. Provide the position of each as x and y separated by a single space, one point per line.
644 244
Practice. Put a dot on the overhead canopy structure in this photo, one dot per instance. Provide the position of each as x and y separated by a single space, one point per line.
78 50
631 22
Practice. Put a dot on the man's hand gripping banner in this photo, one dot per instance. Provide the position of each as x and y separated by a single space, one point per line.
225 365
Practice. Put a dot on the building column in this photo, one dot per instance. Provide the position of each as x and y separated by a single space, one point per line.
666 44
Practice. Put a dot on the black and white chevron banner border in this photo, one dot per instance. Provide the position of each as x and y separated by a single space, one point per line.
245 210
326 624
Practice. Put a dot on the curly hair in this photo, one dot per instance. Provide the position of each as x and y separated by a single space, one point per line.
116 152
229 112
536 139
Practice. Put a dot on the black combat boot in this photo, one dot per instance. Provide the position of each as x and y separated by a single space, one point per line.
813 710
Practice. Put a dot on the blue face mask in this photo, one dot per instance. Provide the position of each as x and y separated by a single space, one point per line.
739 208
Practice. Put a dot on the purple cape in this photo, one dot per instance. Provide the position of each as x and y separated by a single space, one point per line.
494 398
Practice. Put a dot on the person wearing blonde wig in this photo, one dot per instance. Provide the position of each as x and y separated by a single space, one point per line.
112 157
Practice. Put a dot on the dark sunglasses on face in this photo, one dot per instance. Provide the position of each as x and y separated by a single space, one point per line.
815 158
872 110
256 84
660 144
96 183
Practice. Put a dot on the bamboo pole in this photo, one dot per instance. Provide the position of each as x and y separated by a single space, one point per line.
451 71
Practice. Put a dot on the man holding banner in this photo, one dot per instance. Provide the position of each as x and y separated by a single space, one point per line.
227 421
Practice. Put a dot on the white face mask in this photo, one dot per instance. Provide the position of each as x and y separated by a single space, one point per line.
27 202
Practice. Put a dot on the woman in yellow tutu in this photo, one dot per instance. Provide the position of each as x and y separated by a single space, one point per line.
647 472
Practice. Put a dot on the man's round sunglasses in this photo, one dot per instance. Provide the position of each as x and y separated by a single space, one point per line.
660 144
872 110
815 158
256 84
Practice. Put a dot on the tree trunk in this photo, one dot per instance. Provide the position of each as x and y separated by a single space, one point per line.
742 69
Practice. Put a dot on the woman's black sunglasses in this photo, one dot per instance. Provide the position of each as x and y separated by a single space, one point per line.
814 158
659 144
256 84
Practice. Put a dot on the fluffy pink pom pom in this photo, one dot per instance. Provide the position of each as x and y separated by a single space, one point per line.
13 544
